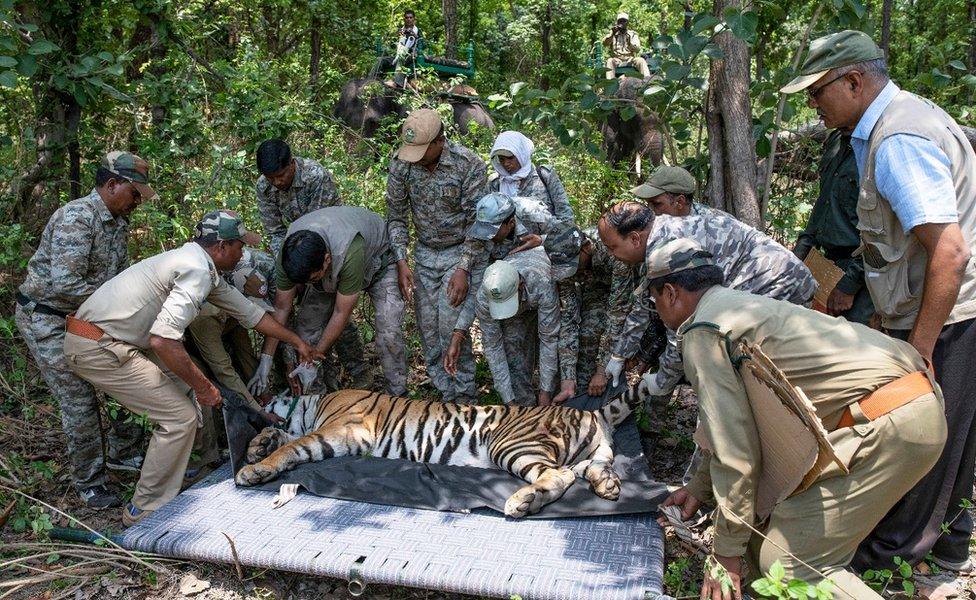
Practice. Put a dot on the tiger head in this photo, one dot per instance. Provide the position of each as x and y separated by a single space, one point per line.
299 421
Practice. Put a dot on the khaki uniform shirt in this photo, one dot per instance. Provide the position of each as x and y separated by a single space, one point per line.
162 295
835 363
625 44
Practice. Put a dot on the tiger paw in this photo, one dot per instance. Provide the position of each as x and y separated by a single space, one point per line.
264 443
524 501
254 474
607 484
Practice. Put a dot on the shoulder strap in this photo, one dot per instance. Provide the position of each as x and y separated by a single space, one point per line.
735 358
544 172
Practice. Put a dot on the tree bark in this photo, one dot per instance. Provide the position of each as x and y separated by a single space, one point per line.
733 118
450 27
315 54
886 25
546 26
716 148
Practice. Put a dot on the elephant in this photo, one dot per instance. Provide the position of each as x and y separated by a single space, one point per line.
636 139
364 103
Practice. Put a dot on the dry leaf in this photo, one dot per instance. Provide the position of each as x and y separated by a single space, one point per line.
190 585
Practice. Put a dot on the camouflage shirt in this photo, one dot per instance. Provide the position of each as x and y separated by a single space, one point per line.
531 216
538 293
441 203
596 287
544 185
82 247
313 188
751 260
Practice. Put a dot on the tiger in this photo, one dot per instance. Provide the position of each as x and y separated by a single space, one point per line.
548 447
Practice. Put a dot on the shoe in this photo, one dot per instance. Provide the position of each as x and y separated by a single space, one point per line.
959 566
133 464
132 515
99 496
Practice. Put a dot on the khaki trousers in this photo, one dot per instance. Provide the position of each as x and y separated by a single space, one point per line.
143 385
637 62
824 524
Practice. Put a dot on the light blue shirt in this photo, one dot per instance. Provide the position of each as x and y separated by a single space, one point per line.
912 173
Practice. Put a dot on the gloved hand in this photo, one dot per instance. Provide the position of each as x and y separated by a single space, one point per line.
305 372
650 387
614 368
259 383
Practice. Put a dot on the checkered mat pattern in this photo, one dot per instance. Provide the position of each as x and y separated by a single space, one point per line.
481 552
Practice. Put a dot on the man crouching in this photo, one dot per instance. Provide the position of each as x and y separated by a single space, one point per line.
871 393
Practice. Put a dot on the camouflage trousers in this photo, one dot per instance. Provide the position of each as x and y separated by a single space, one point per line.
316 310
593 322
569 330
520 339
80 406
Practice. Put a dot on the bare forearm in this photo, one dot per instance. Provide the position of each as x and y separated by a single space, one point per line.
173 354
938 298
274 331
333 329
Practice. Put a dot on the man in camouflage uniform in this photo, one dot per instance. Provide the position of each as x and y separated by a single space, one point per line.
339 253
437 183
671 191
517 224
84 244
517 298
751 261
288 188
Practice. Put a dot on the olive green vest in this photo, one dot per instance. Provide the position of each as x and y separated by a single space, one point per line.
894 262
338 226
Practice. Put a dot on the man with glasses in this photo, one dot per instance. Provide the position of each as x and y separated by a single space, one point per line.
917 220
84 244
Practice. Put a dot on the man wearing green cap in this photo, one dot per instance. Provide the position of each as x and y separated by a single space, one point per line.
518 297
671 191
869 391
917 217
84 244
437 184
125 340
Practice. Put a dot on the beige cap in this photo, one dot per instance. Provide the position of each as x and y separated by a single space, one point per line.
420 128
623 15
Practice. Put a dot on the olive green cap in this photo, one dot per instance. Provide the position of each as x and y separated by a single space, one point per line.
674 180
830 52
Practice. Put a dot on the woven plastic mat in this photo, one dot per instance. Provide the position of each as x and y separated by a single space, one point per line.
480 553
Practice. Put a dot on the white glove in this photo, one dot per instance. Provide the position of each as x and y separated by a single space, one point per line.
614 367
306 373
259 383
650 387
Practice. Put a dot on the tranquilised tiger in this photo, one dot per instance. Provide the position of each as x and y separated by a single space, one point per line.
546 446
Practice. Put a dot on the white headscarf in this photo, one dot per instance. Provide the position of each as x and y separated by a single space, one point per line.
522 148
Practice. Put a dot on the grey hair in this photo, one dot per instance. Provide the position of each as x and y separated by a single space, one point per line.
629 216
875 69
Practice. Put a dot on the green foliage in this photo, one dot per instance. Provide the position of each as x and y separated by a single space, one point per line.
881 579
775 584
677 578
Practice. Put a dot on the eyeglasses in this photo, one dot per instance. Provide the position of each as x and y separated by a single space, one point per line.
812 94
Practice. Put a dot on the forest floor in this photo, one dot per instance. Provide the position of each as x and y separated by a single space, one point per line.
667 449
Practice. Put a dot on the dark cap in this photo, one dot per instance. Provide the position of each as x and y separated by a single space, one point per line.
830 52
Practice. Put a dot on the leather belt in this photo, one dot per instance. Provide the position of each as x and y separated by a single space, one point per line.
888 397
84 328
44 309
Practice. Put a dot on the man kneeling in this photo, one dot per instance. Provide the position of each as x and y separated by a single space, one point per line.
846 370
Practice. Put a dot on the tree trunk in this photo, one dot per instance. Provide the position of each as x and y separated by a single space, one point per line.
732 117
546 25
473 17
315 55
450 27
886 25
72 121
716 148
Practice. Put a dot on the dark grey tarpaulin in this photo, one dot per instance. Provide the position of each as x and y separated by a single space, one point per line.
450 488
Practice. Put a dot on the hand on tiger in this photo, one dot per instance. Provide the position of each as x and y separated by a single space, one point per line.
545 398
453 353
271 417
567 389
293 384
649 386
306 374
258 384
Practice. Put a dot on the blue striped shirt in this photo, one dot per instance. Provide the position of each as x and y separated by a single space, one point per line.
910 172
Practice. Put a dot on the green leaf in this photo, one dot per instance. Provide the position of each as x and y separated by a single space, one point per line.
27 66
677 72
42 47
776 571
8 61
106 56
797 588
628 112
713 52
653 89
703 22
763 587
905 569
589 100
8 79
743 24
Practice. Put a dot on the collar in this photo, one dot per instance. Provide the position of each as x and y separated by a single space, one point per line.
448 156
299 180
101 209
870 117
200 252
692 319
291 410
